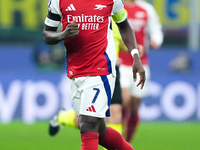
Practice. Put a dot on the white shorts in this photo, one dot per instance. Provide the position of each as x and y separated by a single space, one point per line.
91 95
126 80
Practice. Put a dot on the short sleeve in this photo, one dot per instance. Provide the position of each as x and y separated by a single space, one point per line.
118 12
117 7
54 16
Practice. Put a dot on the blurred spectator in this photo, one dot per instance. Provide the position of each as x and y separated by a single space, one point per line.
181 63
49 57
148 31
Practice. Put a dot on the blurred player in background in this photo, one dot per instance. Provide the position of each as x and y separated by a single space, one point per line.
148 31
91 60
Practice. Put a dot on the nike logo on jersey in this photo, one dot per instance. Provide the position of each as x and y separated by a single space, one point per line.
100 7
71 8
91 109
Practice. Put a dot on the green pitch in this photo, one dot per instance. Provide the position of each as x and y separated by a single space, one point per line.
149 136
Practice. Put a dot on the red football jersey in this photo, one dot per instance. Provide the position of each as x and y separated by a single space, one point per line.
145 23
92 52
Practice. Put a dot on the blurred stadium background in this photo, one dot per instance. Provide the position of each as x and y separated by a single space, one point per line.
33 82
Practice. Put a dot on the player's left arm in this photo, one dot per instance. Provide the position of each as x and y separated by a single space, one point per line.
129 39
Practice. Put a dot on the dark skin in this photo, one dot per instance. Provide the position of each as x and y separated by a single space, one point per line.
51 36
129 39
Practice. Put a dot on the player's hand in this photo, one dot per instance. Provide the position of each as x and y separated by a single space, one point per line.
138 68
71 31
141 50
153 44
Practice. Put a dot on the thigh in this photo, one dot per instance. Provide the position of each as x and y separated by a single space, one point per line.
92 124
126 81
137 91
91 96
126 76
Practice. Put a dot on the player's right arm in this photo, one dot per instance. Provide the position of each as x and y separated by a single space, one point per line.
51 36
52 21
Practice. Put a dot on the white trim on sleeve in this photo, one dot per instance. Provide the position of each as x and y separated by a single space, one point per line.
51 23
